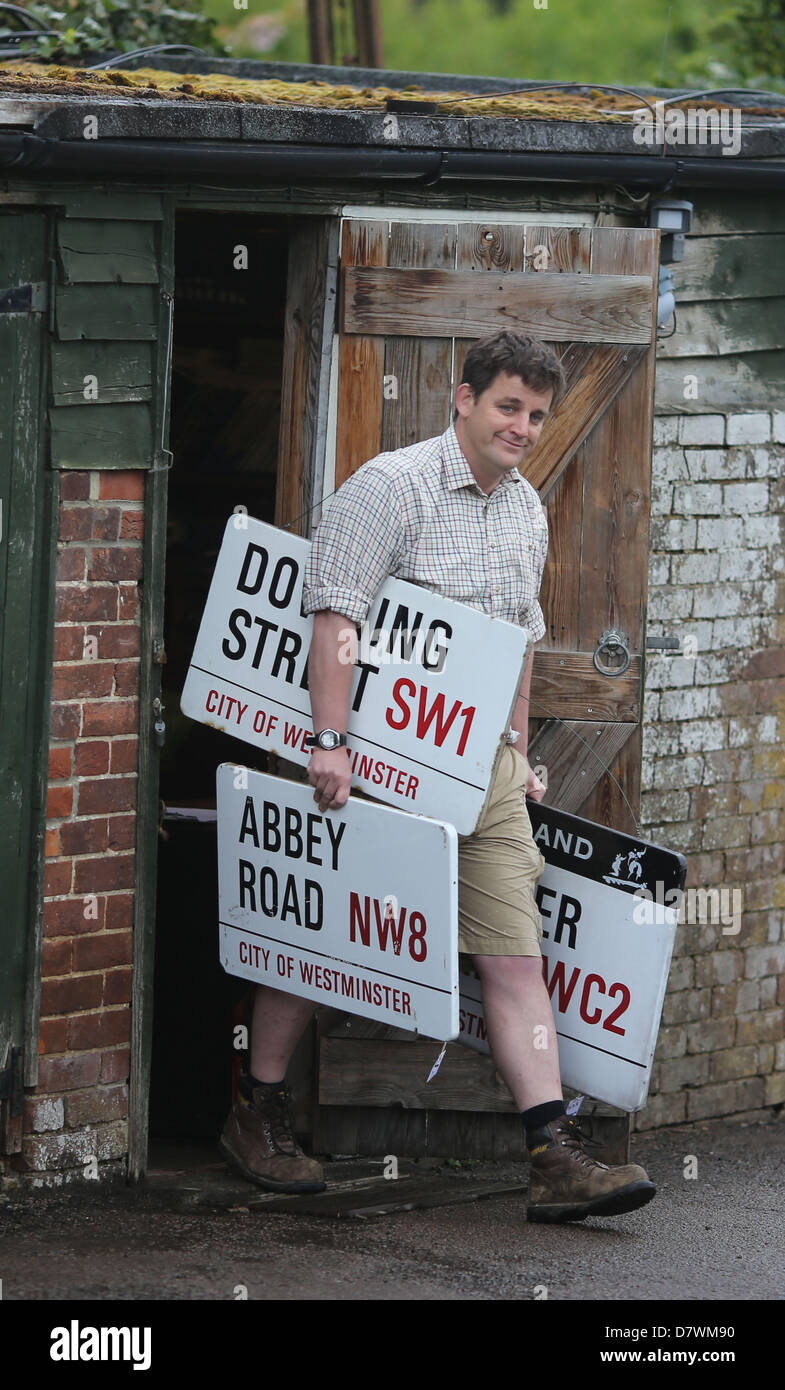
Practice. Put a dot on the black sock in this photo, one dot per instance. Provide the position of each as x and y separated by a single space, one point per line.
535 1119
256 1081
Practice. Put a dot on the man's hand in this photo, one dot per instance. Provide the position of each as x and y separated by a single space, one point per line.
331 775
534 787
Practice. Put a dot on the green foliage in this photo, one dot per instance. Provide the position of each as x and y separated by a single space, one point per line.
607 41
85 27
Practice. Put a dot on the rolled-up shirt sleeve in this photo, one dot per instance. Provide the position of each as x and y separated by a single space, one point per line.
531 614
356 545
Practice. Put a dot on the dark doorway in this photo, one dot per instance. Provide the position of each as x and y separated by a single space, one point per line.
225 416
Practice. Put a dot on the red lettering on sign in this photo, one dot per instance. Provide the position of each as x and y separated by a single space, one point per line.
386 925
620 1009
403 684
584 1005
359 921
425 717
557 981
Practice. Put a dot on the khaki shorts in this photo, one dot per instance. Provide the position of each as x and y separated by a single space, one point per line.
499 866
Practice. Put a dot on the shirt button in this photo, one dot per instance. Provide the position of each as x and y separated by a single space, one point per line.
497 590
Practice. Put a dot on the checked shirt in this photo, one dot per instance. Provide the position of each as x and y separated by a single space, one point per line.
418 514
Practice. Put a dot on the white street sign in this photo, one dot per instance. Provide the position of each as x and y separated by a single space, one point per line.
606 954
425 727
316 904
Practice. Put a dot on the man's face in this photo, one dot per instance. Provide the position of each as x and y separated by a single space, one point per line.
498 428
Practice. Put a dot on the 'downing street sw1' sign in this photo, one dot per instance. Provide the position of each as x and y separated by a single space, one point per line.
608 904
317 905
432 691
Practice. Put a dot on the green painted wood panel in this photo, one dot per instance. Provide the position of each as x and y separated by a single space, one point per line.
101 436
108 203
731 267
123 372
749 381
23 581
111 311
724 327
103 252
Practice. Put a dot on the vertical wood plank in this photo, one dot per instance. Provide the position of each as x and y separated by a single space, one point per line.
360 363
418 368
485 246
310 301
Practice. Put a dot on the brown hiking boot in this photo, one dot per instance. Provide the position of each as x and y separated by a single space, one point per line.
566 1184
258 1139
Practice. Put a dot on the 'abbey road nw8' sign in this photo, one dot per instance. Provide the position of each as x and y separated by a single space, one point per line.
432 693
606 953
316 905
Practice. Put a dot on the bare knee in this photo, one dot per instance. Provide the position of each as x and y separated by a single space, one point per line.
508 973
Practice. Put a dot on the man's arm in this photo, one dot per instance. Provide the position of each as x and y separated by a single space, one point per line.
520 723
329 683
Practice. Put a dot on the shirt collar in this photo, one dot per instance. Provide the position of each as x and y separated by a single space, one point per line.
456 469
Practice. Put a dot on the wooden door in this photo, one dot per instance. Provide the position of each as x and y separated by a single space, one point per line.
412 299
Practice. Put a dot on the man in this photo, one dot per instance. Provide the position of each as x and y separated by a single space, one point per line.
454 514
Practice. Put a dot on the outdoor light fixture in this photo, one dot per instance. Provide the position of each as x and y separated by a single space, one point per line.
674 219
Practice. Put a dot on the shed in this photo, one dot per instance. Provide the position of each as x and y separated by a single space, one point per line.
226 284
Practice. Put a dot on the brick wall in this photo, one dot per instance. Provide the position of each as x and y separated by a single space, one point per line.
714 756
75 1122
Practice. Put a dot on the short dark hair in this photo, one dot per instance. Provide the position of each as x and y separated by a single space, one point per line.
517 354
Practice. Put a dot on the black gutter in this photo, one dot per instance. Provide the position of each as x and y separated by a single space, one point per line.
22 151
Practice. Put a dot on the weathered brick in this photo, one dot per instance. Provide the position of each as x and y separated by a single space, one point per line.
101 795
88 602
59 802
74 1149
715 465
56 957
105 523
85 836
119 562
725 832
702 736
698 499
126 676
122 639
99 1029
741 564
679 705
752 428
726 1098
127 600
132 524
43 1113
52 1035
723 1001
89 1107
117 987
761 1027
669 603
673 533
68 1073
702 429
119 911
683 1071
75 487
111 717
101 875
65 996
66 916
672 1042
747 996
65 721
58 878
115 1064
768 992
71 563
121 485
778 426
102 950
60 763
664 806
91 757
666 429
84 680
122 832
733 1062
699 567
709 1035
719 968
760 961
669 465
662 1110
718 800
681 976
124 754
73 524
774 1092
69 642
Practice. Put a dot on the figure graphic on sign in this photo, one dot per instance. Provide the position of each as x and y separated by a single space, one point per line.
454 514
634 869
